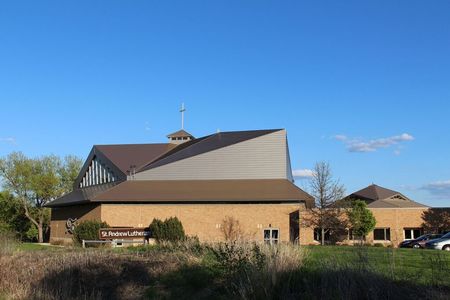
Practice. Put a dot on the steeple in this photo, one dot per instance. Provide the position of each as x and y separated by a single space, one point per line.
180 136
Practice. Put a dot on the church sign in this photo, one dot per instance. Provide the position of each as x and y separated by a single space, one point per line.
122 233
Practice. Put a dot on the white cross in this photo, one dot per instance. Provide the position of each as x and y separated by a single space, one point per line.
182 110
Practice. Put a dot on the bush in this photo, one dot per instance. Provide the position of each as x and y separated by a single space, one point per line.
171 230
87 230
379 245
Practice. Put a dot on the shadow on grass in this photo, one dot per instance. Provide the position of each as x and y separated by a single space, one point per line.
132 280
96 281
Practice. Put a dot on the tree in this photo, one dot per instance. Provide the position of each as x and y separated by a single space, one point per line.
361 219
12 218
231 229
436 220
36 182
326 216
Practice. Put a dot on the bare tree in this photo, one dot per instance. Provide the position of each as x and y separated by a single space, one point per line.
327 216
231 229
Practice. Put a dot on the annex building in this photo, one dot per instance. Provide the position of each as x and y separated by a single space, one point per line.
398 218
202 181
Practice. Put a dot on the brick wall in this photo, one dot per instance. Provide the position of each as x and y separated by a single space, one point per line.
58 230
204 220
394 218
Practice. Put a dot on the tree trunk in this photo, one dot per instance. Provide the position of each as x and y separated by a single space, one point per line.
40 232
322 236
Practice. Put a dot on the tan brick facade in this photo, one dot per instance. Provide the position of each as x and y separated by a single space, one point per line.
205 220
396 219
58 230
202 220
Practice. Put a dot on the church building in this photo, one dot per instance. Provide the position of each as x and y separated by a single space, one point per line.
245 175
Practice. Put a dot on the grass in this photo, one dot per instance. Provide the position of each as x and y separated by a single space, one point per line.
413 265
35 247
224 271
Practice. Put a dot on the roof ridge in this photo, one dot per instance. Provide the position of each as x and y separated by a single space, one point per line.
138 144
203 139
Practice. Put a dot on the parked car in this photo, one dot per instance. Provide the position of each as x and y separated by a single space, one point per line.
441 244
420 241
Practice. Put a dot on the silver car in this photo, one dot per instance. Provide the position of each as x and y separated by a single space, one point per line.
441 244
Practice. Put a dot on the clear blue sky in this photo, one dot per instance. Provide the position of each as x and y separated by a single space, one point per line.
364 85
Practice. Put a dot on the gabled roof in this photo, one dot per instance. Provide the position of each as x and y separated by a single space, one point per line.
124 156
206 144
180 133
380 197
190 191
374 192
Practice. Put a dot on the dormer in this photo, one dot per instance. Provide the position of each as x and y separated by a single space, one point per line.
179 137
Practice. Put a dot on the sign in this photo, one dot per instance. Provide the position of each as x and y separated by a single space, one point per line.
70 225
122 233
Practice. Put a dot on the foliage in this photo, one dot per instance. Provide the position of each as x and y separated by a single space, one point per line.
436 220
327 215
12 217
231 229
170 230
361 219
35 182
87 230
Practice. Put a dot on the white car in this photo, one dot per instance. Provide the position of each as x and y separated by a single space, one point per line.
441 244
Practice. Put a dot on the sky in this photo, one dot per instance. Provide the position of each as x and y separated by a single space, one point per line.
363 85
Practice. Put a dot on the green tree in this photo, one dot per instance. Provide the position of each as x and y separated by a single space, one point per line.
361 219
12 218
36 182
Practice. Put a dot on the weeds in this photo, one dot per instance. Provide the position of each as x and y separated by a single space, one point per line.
8 243
231 270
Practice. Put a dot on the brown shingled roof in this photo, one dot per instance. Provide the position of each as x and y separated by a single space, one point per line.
124 156
265 190
374 192
380 197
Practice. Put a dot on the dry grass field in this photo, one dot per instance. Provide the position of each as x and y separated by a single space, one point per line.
223 271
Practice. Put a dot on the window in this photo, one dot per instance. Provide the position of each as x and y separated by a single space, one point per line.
412 233
271 236
318 234
382 234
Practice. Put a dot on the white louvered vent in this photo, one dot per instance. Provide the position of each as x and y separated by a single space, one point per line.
97 173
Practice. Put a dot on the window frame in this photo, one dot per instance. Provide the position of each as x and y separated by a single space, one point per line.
386 234
271 240
411 231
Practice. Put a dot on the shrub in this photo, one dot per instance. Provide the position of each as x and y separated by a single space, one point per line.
87 230
380 245
170 230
